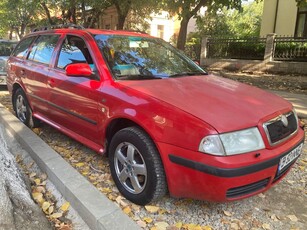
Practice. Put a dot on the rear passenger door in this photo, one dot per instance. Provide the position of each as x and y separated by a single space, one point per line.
73 100
36 70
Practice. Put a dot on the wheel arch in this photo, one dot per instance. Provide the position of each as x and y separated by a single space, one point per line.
120 123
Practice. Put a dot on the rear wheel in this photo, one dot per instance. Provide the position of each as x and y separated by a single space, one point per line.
136 166
22 109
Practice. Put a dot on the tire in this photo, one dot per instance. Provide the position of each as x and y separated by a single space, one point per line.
136 166
22 109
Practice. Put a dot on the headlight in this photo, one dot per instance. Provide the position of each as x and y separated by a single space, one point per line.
237 142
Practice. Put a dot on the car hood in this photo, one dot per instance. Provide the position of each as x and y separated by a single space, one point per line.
224 104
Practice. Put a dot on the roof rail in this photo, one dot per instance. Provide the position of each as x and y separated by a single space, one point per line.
60 26
137 31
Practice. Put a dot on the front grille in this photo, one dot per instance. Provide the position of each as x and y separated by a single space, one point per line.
247 189
277 129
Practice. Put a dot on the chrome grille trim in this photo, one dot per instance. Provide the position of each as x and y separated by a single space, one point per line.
276 119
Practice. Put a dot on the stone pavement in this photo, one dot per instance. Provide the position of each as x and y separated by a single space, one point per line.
299 102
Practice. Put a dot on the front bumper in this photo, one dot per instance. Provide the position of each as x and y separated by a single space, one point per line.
201 176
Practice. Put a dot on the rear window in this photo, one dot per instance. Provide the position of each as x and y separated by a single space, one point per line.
23 47
43 48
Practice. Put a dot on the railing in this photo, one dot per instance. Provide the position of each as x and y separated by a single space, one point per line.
277 48
290 49
236 48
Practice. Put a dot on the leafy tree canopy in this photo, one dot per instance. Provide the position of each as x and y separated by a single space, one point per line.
186 9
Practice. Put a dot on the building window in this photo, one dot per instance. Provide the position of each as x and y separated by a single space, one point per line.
301 22
161 31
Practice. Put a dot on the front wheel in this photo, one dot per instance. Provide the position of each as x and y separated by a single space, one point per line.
22 109
136 166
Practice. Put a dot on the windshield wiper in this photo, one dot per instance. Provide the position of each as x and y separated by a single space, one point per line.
137 77
187 74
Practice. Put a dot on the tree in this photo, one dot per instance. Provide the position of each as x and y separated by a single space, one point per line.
301 2
17 15
229 22
138 8
186 9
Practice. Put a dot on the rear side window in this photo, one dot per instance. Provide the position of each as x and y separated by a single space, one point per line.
23 47
43 48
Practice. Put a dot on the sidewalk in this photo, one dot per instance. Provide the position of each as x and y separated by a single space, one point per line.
299 102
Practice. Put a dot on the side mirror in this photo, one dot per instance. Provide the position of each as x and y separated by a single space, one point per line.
78 70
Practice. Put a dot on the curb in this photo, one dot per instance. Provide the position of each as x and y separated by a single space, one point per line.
97 211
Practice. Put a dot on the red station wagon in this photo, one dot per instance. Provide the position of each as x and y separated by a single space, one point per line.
165 124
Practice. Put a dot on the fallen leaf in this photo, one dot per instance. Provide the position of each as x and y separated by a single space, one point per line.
234 226
148 220
162 211
38 197
178 225
33 174
65 206
266 226
227 213
45 206
50 210
106 190
141 223
37 181
56 215
207 227
293 218
274 217
152 209
80 164
127 210
161 225
39 189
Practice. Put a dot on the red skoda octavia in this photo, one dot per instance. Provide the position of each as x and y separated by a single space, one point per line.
165 124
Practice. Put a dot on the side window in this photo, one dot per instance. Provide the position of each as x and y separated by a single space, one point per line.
23 47
42 48
74 50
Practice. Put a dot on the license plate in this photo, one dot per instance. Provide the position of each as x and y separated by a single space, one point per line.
291 156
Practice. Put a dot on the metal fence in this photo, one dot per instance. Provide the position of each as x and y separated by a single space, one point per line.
290 49
285 48
236 48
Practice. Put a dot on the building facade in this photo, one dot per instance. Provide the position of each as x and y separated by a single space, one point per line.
161 25
283 17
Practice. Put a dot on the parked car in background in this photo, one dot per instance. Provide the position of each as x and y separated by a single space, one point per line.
6 47
164 123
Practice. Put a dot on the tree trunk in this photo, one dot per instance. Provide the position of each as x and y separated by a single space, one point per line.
121 21
83 16
182 36
47 13
122 11
18 210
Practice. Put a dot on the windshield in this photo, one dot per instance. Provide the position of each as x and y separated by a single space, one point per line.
140 58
